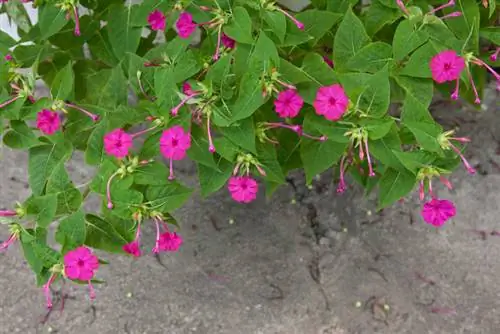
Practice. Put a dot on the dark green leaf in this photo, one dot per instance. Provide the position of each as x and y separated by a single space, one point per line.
71 230
103 234
20 136
62 85
375 99
371 58
395 185
406 39
44 207
277 24
69 199
123 37
51 19
167 198
212 179
240 28
317 22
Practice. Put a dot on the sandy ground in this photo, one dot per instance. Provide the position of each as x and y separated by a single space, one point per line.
325 264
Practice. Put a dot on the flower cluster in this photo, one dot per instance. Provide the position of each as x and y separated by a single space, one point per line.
248 91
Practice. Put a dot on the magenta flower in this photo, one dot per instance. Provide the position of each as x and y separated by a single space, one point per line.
243 189
174 143
12 238
288 103
134 247
228 42
48 121
117 143
185 25
446 66
331 102
156 20
8 213
80 264
297 23
170 242
437 211
8 57
493 56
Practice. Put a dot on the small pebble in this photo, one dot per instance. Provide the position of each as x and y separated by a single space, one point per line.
358 304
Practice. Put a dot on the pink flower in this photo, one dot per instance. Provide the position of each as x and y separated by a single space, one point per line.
288 103
8 213
297 23
48 121
117 143
174 143
331 102
228 42
156 20
80 264
446 66
170 242
8 57
134 247
12 238
185 25
437 211
243 189
493 56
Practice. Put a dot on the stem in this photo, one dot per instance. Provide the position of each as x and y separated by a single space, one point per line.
454 95
156 249
469 168
477 100
89 114
370 168
77 21
6 103
171 172
216 55
108 190
449 4
211 147
144 131
46 290
91 291
299 24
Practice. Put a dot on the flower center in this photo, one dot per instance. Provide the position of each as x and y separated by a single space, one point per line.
243 185
80 263
447 66
175 142
332 101
118 143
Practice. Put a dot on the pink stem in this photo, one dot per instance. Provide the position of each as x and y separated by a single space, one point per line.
430 188
403 7
449 4
77 21
6 103
144 131
7 213
482 63
91 291
421 190
477 100
370 168
454 14
94 117
211 147
236 168
446 182
299 24
361 153
216 55
341 187
454 95
108 190
4 245
175 110
156 249
260 170
284 84
469 168
171 173
461 139
46 290
322 138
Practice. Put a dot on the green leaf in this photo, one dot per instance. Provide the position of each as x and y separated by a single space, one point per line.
350 38
199 148
17 13
218 72
371 58
318 125
375 99
154 173
492 34
466 24
415 160
71 231
418 64
107 88
44 207
48 256
267 156
186 66
62 85
42 161
240 27
167 198
125 201
250 97
20 136
394 185
123 37
94 154
377 128
265 52
212 179
51 19
103 234
421 90
317 70
277 24
165 88
34 262
406 39
318 22
318 156
378 16
383 149
241 133
69 199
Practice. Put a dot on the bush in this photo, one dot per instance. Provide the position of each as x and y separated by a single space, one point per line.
265 91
